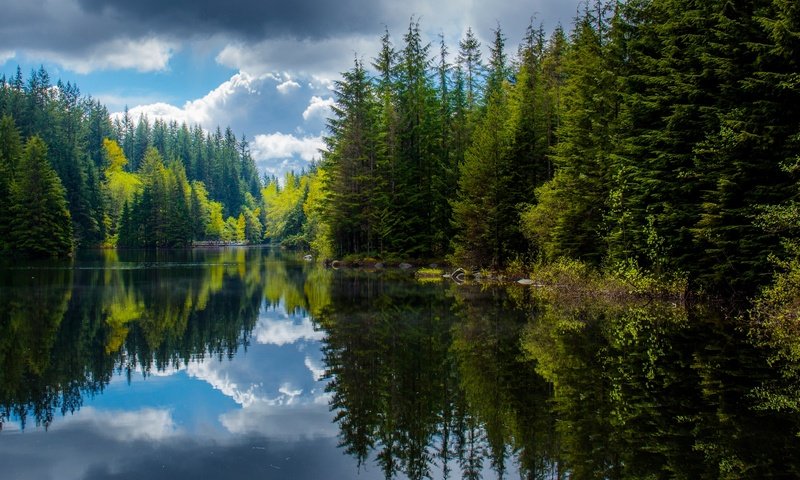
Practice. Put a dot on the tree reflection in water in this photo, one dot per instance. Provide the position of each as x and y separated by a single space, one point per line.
425 380
465 382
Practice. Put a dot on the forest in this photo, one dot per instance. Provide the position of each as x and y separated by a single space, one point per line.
654 135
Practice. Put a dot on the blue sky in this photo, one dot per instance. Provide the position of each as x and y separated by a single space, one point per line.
266 408
264 68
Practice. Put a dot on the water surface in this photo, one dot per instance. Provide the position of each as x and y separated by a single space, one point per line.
241 362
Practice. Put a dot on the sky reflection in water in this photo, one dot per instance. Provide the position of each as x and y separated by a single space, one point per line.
242 362
263 411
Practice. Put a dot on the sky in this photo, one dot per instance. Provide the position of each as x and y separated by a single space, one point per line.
265 68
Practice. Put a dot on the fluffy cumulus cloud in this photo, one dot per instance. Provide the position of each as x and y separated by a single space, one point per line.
256 106
219 379
317 370
284 331
217 107
124 426
285 422
318 107
285 148
6 55
288 86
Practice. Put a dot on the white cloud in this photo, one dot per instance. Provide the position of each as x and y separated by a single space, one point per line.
285 332
286 422
289 394
317 371
6 55
125 426
217 107
144 55
318 107
212 374
116 101
324 59
321 83
287 86
282 146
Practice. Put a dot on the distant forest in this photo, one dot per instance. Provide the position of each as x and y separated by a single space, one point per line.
124 183
656 135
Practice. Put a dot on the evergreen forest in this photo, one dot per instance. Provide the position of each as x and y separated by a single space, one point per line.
658 136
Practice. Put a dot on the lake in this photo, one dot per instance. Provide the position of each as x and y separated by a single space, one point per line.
245 362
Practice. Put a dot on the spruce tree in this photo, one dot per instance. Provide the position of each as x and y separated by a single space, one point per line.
352 160
418 163
469 58
568 217
10 154
747 158
484 214
40 222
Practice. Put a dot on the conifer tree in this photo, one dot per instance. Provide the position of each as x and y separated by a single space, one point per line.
567 219
418 162
469 58
10 154
352 160
747 158
484 213
40 222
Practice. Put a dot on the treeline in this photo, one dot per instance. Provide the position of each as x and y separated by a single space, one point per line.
656 135
87 325
124 182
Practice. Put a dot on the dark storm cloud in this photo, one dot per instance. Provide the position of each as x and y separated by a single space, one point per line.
245 19
301 36
40 25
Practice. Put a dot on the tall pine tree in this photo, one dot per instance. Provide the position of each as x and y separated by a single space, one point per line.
40 222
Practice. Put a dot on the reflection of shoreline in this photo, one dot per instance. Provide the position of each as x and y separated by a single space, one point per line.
128 311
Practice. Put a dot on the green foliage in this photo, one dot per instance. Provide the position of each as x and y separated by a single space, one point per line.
159 216
284 210
10 155
98 162
119 186
483 213
40 222
651 141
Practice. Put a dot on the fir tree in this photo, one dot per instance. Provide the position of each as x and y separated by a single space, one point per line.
40 222
10 154
484 213
352 159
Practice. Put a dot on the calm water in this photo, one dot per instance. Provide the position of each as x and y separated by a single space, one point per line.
241 363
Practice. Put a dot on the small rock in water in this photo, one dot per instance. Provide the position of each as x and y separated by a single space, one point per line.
525 281
379 265
405 266
308 258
